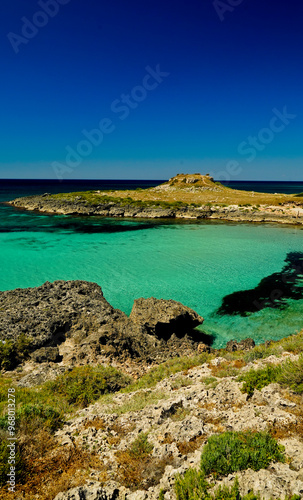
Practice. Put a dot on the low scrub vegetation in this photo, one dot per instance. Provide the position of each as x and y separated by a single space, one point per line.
85 384
137 402
174 365
224 454
193 486
40 411
137 467
257 379
291 375
288 374
13 353
234 451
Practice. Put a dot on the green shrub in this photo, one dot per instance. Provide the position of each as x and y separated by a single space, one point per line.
261 352
193 486
13 353
85 384
257 379
140 447
161 494
48 416
234 451
291 375
288 374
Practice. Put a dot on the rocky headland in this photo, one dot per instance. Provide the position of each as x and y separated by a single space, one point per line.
70 322
191 196
115 407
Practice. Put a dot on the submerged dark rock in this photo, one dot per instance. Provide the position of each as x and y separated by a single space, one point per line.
273 291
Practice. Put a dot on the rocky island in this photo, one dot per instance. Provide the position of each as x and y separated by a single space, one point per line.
185 196
140 407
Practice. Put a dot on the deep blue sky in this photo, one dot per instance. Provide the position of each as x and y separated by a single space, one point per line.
225 79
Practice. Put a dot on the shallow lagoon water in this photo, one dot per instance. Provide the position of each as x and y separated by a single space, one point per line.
197 264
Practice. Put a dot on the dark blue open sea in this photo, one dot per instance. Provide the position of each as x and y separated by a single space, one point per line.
229 273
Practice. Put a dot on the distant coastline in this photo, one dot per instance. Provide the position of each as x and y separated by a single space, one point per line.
185 196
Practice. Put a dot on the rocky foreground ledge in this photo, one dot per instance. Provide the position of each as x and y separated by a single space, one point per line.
133 443
70 323
182 197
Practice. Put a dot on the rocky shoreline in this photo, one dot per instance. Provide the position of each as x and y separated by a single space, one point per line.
288 214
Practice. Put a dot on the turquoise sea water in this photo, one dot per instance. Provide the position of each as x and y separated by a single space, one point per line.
197 264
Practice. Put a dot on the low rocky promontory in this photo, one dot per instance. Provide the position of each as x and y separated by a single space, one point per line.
193 196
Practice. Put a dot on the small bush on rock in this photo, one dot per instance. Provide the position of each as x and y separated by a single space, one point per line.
193 486
47 416
291 375
288 374
234 451
138 469
257 379
85 384
13 353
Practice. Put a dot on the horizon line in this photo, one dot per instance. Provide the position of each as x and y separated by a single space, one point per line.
130 180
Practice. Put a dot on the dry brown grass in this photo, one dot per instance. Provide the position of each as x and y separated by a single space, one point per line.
292 429
168 439
98 424
208 405
48 467
204 192
56 469
227 368
140 472
186 447
116 431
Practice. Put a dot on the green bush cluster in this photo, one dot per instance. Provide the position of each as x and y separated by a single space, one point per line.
288 374
291 375
13 353
48 417
257 379
224 454
140 447
234 451
85 384
193 486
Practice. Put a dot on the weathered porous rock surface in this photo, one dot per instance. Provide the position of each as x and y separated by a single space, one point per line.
178 421
233 345
164 317
48 312
70 322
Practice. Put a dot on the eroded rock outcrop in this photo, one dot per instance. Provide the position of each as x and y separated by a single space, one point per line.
164 317
71 322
